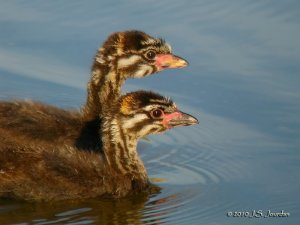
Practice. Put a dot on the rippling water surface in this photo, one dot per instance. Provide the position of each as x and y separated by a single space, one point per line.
242 84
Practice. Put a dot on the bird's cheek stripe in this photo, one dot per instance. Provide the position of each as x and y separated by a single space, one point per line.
168 117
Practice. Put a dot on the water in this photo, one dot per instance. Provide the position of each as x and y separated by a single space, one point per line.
242 84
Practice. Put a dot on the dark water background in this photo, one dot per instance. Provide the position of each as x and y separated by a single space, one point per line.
242 83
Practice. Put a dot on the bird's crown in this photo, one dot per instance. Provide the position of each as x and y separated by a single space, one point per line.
146 100
128 41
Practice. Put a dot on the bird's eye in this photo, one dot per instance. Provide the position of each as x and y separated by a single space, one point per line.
150 54
156 113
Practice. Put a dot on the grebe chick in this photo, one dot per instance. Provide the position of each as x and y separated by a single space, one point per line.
37 170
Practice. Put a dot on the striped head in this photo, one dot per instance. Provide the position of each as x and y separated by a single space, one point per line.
142 113
136 54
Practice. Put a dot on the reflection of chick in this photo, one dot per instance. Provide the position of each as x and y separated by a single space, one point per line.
34 168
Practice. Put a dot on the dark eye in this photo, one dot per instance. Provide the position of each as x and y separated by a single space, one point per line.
150 54
156 113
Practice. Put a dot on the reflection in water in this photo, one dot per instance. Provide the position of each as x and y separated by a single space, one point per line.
132 210
107 211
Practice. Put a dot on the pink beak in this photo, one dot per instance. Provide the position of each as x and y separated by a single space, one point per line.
164 61
177 119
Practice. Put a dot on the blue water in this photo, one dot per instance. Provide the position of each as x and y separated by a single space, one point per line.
243 84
